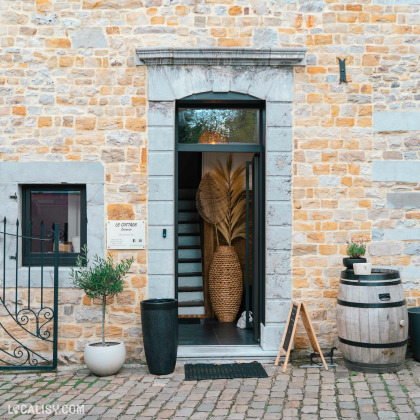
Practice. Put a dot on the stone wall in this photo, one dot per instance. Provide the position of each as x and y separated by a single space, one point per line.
70 90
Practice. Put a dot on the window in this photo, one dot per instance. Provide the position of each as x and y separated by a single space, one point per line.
45 205
218 125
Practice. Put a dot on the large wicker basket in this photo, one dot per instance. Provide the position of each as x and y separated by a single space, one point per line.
225 283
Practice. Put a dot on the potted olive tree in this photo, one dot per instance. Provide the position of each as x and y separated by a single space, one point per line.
101 279
355 252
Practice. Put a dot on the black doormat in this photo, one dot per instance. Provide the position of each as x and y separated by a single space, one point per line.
226 371
188 320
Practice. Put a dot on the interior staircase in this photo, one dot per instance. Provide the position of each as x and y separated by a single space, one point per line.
190 268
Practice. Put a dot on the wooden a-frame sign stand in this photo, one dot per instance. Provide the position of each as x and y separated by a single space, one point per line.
289 334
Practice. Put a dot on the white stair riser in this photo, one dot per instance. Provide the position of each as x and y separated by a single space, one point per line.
188 228
189 296
196 281
187 205
193 310
186 194
189 267
189 253
188 240
188 217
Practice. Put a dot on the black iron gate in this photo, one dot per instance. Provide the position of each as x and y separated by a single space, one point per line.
28 302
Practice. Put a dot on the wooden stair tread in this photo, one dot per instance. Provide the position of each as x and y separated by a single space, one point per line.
196 274
189 260
190 289
190 303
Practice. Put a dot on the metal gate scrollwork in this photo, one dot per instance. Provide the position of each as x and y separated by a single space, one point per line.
28 302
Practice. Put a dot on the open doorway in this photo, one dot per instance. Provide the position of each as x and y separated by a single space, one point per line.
208 316
219 222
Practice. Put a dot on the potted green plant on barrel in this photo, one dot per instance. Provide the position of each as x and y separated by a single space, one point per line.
355 252
102 279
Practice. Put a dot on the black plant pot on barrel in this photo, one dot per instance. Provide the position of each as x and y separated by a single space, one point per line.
414 331
159 319
348 262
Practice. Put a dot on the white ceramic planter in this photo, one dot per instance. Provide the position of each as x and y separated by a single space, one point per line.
105 361
362 269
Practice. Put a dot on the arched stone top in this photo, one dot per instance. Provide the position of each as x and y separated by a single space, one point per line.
169 83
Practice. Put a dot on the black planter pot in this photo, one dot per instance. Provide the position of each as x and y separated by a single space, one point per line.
348 262
414 330
159 319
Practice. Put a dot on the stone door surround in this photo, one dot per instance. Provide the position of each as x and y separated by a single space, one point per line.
267 74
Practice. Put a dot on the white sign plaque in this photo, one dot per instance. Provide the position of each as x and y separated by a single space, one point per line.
126 234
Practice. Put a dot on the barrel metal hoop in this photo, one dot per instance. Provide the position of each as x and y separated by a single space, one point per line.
373 345
377 274
370 283
371 305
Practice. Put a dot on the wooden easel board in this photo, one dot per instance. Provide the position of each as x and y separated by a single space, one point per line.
296 310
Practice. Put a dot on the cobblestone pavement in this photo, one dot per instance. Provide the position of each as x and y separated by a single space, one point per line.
133 393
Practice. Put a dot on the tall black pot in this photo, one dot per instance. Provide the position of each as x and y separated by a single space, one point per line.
159 319
414 330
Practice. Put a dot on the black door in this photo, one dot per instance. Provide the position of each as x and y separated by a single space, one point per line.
254 243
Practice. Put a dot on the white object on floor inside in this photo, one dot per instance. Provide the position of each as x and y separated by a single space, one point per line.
242 320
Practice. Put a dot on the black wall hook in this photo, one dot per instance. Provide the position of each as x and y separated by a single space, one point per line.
342 64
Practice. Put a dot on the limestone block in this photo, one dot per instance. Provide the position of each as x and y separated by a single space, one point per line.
396 170
87 315
411 234
161 262
278 262
278 188
379 249
159 85
271 335
265 38
89 38
161 286
161 213
279 163
120 211
156 240
161 138
277 310
279 213
412 249
161 188
278 237
125 138
396 120
161 113
161 163
279 114
403 200
279 286
279 139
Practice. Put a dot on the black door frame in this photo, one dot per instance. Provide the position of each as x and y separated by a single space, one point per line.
228 100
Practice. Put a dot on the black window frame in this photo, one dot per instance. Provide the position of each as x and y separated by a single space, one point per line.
66 259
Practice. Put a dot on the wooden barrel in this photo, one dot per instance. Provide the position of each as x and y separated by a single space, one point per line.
372 321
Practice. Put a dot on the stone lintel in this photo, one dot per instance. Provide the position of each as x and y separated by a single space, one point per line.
221 56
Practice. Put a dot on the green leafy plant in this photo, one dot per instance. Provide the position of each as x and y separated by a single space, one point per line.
101 279
356 249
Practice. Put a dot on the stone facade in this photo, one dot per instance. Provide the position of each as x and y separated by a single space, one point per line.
71 90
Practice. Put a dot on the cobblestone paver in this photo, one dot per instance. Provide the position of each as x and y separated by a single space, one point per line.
304 394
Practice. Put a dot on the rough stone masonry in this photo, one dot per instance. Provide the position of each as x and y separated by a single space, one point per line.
70 90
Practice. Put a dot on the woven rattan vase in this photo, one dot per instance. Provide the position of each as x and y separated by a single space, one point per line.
225 283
